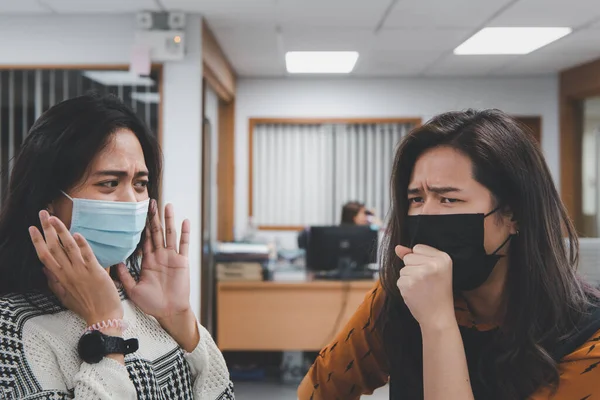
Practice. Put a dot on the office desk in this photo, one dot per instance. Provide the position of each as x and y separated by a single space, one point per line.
279 316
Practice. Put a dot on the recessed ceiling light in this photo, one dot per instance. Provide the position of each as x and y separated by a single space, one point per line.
509 40
320 62
118 78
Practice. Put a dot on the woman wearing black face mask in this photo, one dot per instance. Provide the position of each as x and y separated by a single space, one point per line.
479 297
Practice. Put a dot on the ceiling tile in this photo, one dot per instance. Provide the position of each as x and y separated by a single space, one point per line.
316 39
572 13
453 65
382 63
250 49
331 13
22 7
586 40
230 13
443 13
538 63
258 40
100 6
420 39
254 66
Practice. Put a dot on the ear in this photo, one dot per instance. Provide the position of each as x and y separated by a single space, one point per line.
514 227
510 221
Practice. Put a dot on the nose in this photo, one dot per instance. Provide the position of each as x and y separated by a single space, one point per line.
129 195
431 207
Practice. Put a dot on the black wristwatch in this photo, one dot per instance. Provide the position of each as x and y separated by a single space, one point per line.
94 345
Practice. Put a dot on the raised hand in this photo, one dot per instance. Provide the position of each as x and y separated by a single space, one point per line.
74 274
163 290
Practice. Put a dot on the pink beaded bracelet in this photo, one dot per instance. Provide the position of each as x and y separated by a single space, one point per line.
111 323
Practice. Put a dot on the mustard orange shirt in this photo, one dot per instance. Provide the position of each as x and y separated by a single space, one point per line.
354 363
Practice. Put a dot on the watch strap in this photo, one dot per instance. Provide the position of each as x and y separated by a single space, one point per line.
118 345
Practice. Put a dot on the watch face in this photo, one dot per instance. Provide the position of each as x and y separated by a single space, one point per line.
92 347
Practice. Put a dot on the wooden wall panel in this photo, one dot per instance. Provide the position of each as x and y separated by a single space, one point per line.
216 68
220 76
226 172
534 124
576 84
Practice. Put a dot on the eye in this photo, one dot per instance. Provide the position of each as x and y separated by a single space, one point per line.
449 200
142 183
109 184
414 200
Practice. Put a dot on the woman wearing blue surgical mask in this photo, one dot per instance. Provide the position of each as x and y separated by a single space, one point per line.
80 211
479 296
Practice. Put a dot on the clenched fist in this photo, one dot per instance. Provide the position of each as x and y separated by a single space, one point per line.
425 283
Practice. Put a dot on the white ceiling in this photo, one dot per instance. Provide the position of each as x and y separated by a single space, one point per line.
393 37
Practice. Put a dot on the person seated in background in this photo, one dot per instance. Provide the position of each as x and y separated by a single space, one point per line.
479 297
94 294
353 213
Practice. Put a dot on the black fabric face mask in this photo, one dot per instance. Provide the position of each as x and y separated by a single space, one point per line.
461 236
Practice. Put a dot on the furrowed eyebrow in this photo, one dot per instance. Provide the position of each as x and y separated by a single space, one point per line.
120 174
435 189
444 189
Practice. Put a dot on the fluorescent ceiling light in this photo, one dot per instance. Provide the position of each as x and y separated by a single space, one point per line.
320 62
118 78
146 97
509 40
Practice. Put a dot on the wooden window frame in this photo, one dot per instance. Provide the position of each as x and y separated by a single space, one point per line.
252 122
576 84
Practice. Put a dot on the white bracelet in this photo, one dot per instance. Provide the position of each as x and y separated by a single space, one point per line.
111 323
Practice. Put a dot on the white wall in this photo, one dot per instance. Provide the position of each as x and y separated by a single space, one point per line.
182 144
107 39
387 98
211 111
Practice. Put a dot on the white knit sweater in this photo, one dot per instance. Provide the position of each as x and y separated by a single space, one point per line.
39 359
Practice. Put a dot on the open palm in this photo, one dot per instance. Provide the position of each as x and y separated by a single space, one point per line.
163 289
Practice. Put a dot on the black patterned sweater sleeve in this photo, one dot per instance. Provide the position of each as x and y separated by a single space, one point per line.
39 360
29 366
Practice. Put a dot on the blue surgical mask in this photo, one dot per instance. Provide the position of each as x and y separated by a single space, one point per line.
113 229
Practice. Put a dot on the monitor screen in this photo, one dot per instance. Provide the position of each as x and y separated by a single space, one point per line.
330 245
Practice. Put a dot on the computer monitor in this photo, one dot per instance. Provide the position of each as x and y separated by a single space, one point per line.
341 248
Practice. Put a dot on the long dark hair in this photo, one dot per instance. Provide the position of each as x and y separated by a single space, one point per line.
544 297
55 156
349 211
